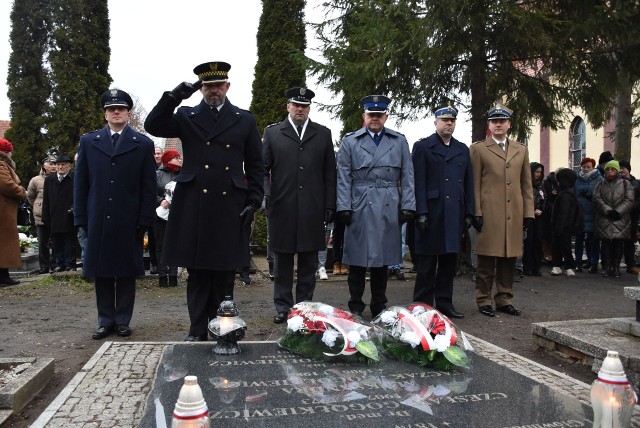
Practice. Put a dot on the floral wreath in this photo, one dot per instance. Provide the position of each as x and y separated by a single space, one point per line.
322 331
420 334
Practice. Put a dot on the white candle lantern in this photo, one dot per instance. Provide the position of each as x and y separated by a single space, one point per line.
612 398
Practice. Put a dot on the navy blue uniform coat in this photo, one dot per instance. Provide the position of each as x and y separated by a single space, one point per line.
223 171
114 193
444 191
302 185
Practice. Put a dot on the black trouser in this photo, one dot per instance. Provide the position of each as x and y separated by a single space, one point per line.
158 231
562 255
64 245
4 273
206 289
283 282
356 282
611 253
435 279
44 248
532 256
338 240
151 244
115 298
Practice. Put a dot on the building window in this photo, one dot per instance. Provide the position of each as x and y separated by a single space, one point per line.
577 143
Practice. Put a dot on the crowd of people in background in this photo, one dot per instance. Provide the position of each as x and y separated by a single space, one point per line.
370 200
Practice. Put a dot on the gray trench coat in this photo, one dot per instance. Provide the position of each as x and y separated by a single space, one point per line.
375 183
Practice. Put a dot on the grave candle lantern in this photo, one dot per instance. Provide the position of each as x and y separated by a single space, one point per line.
612 398
227 328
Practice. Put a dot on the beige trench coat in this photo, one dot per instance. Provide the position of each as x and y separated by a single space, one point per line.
10 195
503 194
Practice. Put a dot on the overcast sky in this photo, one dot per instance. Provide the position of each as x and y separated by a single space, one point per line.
156 45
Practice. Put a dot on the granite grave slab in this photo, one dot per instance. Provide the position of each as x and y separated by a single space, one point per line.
267 386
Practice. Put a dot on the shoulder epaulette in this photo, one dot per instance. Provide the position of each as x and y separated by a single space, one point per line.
91 132
273 124
476 142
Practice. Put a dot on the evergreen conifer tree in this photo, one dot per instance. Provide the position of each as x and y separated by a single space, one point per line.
281 62
28 84
79 59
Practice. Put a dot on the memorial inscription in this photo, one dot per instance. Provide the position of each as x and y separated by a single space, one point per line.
267 386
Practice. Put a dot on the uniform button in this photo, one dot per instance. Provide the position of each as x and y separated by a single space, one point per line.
301 187
208 143
108 217
113 164
447 196
301 168
508 200
507 165
227 146
508 183
226 168
206 167
224 193
110 199
446 179
204 190
300 148
111 181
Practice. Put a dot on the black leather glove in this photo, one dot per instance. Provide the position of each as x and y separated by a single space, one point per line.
140 231
478 223
329 214
186 89
528 223
247 214
344 216
406 215
468 221
422 222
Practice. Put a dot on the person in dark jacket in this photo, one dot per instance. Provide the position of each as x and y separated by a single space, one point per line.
612 203
585 182
630 244
171 164
114 200
301 165
57 213
444 208
532 256
218 190
564 223
550 188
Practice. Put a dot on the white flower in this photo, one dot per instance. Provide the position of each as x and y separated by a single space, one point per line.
441 342
354 337
295 323
417 310
22 236
326 310
329 337
364 334
388 317
411 338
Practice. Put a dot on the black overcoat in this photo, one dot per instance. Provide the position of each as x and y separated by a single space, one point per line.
57 203
302 185
444 191
115 192
222 172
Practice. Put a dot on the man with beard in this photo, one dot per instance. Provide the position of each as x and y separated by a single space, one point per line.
301 165
219 188
444 209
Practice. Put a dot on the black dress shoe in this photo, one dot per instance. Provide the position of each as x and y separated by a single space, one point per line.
281 317
123 330
102 332
452 313
508 309
192 338
153 270
8 281
58 269
244 276
487 310
593 269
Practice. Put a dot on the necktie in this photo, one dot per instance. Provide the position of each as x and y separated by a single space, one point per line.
114 138
60 178
501 146
299 127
